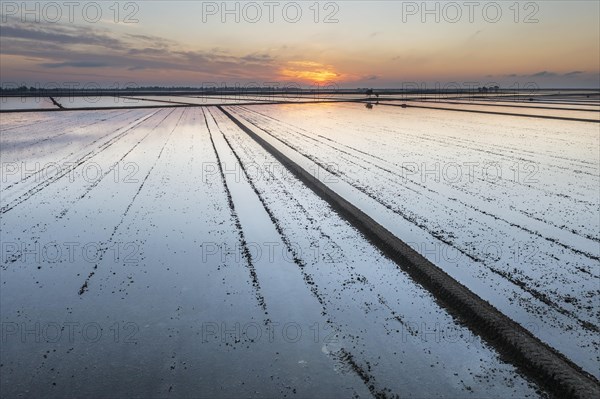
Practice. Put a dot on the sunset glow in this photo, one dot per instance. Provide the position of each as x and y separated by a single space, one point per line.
397 42
310 72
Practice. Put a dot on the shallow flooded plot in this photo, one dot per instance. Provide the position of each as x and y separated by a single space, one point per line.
524 104
196 100
68 102
168 241
104 102
18 103
555 112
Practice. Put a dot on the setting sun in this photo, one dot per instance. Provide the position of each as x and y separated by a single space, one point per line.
310 72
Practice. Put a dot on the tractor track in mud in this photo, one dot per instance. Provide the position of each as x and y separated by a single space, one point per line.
544 364
297 260
241 237
343 355
84 287
63 159
89 155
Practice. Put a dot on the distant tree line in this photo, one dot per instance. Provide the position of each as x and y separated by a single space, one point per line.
491 89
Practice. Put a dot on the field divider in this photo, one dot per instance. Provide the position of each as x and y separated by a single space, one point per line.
169 101
525 106
562 118
172 104
547 367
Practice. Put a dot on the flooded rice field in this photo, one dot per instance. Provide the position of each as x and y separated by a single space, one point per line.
172 241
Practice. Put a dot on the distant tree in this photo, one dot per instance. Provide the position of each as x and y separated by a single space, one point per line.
369 92
369 106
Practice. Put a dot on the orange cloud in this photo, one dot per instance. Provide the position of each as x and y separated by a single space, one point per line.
309 71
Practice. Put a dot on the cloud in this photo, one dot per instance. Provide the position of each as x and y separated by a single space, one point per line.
260 58
475 34
76 64
155 40
56 47
542 74
412 56
59 35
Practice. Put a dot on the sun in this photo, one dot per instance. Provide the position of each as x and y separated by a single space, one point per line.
309 72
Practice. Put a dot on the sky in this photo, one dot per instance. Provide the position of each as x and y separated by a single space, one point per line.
345 44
